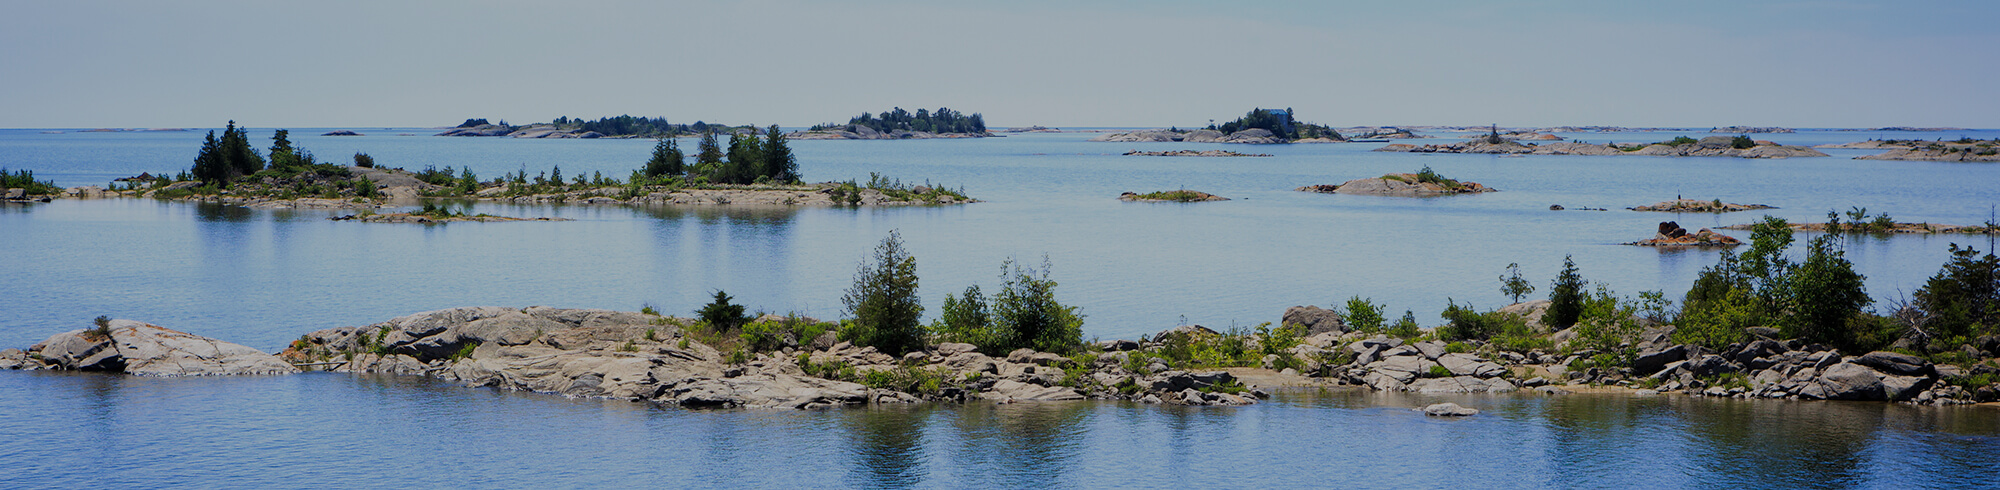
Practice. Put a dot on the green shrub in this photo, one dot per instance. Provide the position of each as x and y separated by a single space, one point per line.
1406 328
720 314
1363 315
1027 310
1963 299
363 160
465 351
1679 141
1438 372
25 179
1742 142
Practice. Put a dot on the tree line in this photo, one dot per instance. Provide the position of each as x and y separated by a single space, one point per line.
652 127
751 158
944 120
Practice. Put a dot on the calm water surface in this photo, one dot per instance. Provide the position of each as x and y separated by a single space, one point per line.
262 277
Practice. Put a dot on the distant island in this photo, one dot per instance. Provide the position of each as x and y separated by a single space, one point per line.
1259 127
609 127
1681 146
899 124
1193 153
755 167
1182 195
1960 150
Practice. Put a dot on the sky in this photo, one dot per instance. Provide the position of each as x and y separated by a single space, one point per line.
108 63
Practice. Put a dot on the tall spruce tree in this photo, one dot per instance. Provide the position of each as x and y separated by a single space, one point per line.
208 164
708 156
236 151
779 164
667 159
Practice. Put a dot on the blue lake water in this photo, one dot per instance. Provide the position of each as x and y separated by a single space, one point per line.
261 278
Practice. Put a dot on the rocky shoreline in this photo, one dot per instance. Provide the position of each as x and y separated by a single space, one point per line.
1252 136
859 132
1899 227
662 360
421 218
1182 195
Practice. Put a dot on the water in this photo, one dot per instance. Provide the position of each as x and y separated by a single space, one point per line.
262 277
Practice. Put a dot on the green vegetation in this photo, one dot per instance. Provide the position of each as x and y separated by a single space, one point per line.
794 330
883 301
1182 195
1679 141
25 179
1818 300
1234 347
1280 123
1025 313
103 330
1963 300
1742 142
1363 316
944 120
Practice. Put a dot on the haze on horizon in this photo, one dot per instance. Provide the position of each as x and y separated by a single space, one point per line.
122 63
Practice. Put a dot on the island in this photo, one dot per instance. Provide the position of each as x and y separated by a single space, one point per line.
1672 235
1712 146
1960 150
757 167
898 124
1259 127
1193 153
619 127
1182 195
1424 183
1698 206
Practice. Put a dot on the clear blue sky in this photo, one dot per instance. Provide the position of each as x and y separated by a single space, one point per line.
93 63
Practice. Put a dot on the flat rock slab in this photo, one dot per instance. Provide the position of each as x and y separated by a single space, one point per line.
149 350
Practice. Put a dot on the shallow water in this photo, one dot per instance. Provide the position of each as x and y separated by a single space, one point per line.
263 277
318 430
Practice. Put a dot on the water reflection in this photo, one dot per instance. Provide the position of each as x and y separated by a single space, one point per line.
886 446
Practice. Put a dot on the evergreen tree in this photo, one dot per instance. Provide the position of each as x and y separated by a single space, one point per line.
884 302
283 156
208 164
1824 293
1029 315
1565 297
708 157
1963 299
779 164
746 159
237 153
667 159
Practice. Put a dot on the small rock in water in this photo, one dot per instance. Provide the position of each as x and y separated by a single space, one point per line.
1645 392
1448 410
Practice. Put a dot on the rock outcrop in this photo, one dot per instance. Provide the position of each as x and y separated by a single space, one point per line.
1672 235
1253 136
1405 185
130 347
1182 195
1194 153
1713 146
1699 206
609 354
1316 320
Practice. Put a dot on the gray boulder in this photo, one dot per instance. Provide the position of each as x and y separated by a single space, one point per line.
1316 320
149 350
1018 391
1448 410
1651 362
1897 364
1253 136
1846 381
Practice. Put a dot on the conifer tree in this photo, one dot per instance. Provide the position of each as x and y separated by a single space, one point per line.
708 158
746 159
779 164
208 165
667 159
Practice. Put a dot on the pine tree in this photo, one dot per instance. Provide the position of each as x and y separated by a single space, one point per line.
779 164
708 158
884 302
236 151
1565 297
667 159
208 165
283 155
746 159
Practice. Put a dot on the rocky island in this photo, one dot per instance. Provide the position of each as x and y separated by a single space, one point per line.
1672 235
1258 127
1712 146
1182 195
1424 183
1960 150
899 124
1194 153
1698 206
